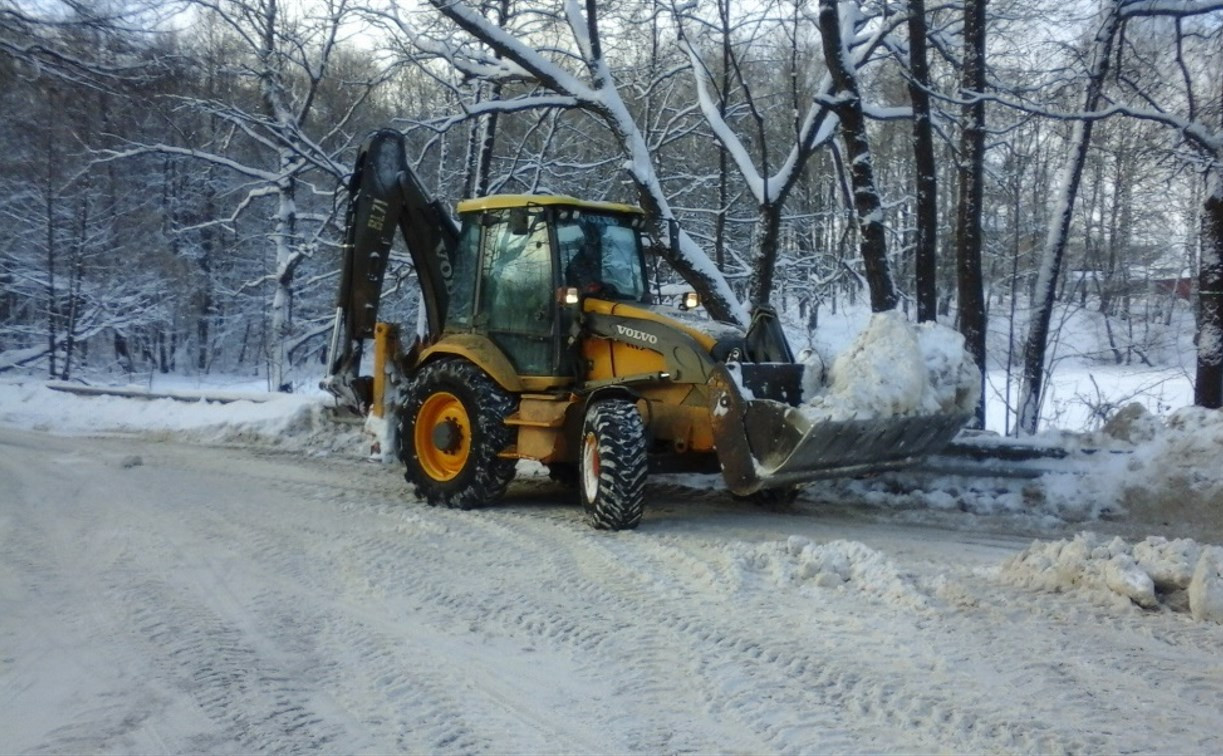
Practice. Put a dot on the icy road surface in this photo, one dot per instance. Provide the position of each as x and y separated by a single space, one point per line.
158 597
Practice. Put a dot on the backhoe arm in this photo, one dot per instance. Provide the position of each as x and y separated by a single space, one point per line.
384 194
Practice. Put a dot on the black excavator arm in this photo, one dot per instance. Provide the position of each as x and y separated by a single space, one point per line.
385 195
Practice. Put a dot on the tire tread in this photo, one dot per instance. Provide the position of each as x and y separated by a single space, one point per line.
623 465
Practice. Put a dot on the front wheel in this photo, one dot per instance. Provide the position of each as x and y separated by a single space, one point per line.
612 466
452 431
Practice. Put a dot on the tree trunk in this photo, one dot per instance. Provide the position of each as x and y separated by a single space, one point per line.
1059 227
847 104
481 144
719 223
968 249
282 297
768 226
925 266
75 281
1208 385
52 294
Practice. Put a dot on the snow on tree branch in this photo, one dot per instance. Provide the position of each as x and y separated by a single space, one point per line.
598 96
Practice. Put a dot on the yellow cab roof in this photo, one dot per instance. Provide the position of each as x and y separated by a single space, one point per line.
503 201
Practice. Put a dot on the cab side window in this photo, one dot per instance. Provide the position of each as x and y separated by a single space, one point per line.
517 293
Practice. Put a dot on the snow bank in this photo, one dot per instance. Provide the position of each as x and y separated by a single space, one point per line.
1180 574
1170 471
1184 452
841 565
896 368
294 421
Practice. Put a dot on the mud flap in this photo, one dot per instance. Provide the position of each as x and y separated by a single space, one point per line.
763 443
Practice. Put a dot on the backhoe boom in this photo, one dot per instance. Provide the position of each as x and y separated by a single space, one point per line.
385 195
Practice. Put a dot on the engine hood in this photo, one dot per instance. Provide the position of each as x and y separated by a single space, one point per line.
704 331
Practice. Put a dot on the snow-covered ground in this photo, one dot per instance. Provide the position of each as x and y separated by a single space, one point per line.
186 576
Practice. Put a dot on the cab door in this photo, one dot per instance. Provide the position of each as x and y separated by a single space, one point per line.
516 304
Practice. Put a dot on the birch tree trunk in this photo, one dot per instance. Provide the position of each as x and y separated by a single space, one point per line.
288 252
287 256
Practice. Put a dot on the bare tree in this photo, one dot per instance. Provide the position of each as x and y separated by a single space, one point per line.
846 101
504 56
925 167
770 180
288 59
1055 242
971 169
46 36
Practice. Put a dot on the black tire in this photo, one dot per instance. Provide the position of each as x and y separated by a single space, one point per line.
475 475
612 465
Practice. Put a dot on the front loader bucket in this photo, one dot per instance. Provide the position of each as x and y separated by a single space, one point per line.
765 444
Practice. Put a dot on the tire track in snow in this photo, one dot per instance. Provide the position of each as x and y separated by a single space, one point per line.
440 720
49 544
258 700
527 614
515 628
273 549
865 696
615 627
1110 660
653 569
874 698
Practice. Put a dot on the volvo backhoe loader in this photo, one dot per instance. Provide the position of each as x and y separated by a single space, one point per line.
538 340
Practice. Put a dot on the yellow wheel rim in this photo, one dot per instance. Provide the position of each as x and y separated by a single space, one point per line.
442 436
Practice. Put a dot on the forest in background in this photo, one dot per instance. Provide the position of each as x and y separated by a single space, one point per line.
172 185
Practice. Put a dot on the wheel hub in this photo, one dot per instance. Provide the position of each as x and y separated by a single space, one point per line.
448 436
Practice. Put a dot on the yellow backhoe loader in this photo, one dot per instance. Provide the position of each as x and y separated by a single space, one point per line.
539 340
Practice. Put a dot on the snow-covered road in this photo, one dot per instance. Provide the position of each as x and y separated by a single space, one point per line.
162 597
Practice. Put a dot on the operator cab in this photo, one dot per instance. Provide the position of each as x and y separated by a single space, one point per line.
516 255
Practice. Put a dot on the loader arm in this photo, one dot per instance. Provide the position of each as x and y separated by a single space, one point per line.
385 195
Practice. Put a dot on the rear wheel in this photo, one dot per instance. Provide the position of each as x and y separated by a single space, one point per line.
452 429
612 465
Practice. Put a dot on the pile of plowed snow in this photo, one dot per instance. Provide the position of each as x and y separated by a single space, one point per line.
1182 453
1181 575
289 421
1170 474
895 368
847 566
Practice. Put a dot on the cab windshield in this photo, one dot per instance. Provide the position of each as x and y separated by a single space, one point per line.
600 254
